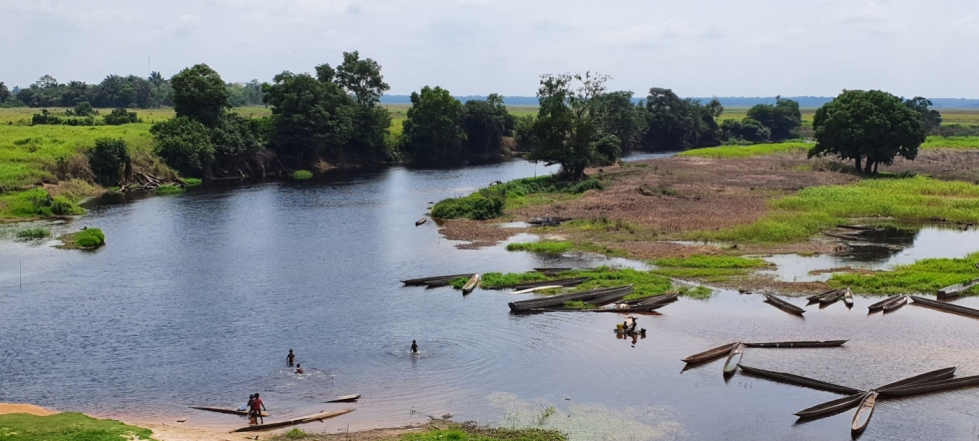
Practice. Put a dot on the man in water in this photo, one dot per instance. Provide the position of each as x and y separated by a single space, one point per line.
299 369
257 406
414 347
291 358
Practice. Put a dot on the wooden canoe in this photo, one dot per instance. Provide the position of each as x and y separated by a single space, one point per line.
561 282
734 358
945 306
927 377
783 305
880 305
471 284
344 399
816 297
848 297
710 354
832 407
226 410
864 412
799 380
895 304
798 344
929 387
420 221
631 309
294 421
536 288
608 296
830 298
557 300
657 300
427 280
957 289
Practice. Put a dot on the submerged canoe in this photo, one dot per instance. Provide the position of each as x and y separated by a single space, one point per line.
927 377
830 298
226 410
799 380
471 284
734 358
427 280
294 421
929 387
864 412
550 271
798 344
831 407
956 290
561 282
783 305
344 399
535 289
895 304
880 305
710 354
945 306
558 300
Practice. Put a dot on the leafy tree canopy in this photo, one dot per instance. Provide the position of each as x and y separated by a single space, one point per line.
783 119
199 94
486 123
184 144
676 124
433 128
108 160
931 118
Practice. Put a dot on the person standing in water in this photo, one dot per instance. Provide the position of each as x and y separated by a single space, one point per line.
291 358
414 347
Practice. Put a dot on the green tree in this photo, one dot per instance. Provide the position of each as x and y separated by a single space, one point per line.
676 124
311 118
486 123
185 145
616 115
83 108
361 78
783 119
567 129
200 94
4 93
931 118
747 129
109 160
433 128
872 124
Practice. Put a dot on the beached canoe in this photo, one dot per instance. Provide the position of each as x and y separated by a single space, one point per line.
344 399
783 305
864 412
471 284
799 380
734 358
832 407
929 387
610 296
427 280
945 306
847 297
535 289
895 304
710 354
560 282
421 221
957 289
226 410
294 421
927 377
880 305
558 300
798 344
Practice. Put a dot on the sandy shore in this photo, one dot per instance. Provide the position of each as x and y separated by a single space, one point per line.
6 408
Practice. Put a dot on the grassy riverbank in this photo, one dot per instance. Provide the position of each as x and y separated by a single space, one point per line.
924 276
67 426
439 430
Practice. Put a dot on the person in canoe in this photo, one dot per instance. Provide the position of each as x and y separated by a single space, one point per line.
291 358
299 369
257 406
414 347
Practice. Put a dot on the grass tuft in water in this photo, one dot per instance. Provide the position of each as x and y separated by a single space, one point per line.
192 182
302 174
703 261
33 233
296 433
169 189
86 239
552 248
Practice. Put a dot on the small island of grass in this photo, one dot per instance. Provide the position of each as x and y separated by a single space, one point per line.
87 239
302 175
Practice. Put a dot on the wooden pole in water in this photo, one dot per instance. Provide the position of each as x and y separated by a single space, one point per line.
20 274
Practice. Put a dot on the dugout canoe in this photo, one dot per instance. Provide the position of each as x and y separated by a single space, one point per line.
880 305
661 299
631 309
847 297
816 297
558 300
895 304
421 221
226 410
945 306
783 305
535 289
301 420
830 298
471 284
427 280
956 290
864 412
799 380
609 296
710 354
344 399
734 358
798 344
930 387
552 271
927 377
832 407
561 282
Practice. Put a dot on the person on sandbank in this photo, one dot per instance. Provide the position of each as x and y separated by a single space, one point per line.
414 347
299 369
257 406
291 358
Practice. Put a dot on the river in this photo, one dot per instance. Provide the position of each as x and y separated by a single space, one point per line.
197 298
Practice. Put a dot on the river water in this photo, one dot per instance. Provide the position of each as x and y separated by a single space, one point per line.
197 298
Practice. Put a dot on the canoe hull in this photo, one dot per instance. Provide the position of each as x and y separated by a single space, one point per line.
799 380
734 358
227 411
344 399
783 305
798 344
832 407
864 412
930 387
710 354
294 421
471 284
945 306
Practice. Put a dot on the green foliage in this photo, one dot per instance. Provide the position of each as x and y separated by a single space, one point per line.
546 247
704 261
930 118
782 120
706 268
108 160
616 115
872 124
433 128
184 144
38 203
296 433
677 124
199 93
90 238
746 151
311 118
302 174
475 206
698 292
67 426
924 276
747 129
84 108
578 304
192 182
486 123
489 203
169 189
48 118
119 117
644 283
33 233
957 142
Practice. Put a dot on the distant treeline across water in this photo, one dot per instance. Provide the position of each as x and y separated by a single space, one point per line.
727 101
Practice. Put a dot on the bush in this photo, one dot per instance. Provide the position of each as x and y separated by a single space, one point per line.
119 117
474 206
62 206
192 182
107 160
33 233
302 174
84 109
90 238
296 433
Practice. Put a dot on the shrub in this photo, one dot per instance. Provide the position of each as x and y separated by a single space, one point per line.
107 160
62 206
302 174
90 238
474 206
119 117
84 109
296 433
33 233
192 182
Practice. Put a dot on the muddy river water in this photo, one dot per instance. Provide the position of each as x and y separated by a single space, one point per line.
197 298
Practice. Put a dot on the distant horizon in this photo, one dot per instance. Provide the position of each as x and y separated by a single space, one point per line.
805 101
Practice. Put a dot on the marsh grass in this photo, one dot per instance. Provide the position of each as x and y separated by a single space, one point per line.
468 432
490 202
707 268
169 189
296 433
86 239
955 142
924 276
193 182
703 261
33 233
749 150
546 247
302 174
67 426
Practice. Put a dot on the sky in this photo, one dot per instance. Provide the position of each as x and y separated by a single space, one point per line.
476 47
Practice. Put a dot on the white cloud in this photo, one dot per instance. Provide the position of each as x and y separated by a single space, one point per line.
673 28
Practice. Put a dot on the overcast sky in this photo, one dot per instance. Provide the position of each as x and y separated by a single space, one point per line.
475 47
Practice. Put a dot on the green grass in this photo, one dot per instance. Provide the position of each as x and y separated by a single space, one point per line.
86 239
296 433
957 142
545 247
814 209
169 189
699 292
491 202
302 174
749 150
702 261
193 182
924 276
33 233
67 426
494 280
38 203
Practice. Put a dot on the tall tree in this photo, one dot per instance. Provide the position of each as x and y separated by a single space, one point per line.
362 78
433 128
486 123
4 93
931 118
617 115
783 119
199 93
872 124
